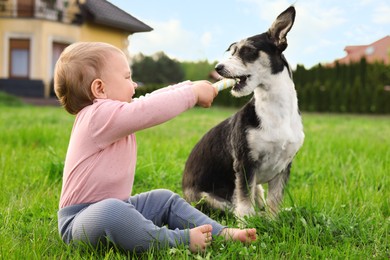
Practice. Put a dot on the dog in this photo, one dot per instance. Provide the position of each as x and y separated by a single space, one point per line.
257 144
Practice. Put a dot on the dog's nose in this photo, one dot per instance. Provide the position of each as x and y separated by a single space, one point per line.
219 68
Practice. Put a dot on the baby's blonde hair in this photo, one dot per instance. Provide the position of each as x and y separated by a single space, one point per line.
78 66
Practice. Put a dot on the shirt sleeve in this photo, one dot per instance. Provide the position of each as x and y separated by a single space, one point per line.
112 120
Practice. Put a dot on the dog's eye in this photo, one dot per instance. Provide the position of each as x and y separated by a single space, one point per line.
248 53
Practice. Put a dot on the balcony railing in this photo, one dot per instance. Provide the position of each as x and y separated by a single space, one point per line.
39 11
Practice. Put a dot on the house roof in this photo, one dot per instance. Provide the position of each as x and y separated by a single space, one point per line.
376 51
104 13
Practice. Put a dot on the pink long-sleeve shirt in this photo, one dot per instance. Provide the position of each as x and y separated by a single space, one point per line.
102 152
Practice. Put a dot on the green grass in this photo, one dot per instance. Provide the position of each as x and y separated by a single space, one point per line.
336 207
9 100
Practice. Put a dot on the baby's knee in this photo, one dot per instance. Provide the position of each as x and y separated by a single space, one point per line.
112 210
164 192
106 213
166 195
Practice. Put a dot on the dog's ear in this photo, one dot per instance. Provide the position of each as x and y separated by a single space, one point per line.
281 27
230 46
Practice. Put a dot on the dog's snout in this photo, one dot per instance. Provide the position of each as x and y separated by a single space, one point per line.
219 68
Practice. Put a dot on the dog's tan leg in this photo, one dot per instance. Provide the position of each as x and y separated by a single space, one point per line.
275 191
260 198
244 196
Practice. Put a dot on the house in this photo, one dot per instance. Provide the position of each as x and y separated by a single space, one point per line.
33 33
378 51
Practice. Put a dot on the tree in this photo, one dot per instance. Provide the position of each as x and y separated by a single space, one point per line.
198 70
158 68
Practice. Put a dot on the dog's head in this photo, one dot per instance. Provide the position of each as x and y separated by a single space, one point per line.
252 60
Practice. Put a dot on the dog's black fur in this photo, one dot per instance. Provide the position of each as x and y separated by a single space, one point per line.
257 144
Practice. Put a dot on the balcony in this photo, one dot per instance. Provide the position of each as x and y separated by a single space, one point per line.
40 10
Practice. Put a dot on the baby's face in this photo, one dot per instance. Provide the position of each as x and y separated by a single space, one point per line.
116 77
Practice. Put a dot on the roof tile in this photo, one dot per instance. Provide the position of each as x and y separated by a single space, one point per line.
104 13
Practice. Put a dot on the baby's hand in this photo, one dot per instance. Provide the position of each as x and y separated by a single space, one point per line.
205 92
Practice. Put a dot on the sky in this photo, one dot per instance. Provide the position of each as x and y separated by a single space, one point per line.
192 30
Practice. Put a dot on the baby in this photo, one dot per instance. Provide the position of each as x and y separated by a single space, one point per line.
93 81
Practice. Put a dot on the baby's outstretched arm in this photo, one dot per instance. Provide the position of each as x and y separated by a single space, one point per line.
204 92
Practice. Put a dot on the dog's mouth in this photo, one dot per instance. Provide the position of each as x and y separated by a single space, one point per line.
241 82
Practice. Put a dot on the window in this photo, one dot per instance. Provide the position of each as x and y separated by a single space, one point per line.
19 58
370 50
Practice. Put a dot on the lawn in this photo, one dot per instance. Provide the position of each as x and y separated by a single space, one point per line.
336 205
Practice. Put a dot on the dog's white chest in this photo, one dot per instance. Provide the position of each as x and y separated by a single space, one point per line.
274 147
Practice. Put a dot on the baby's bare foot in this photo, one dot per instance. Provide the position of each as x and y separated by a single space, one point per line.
242 235
200 238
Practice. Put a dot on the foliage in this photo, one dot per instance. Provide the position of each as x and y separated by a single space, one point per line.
336 205
158 68
355 88
198 70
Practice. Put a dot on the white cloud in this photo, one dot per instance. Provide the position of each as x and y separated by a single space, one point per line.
321 31
315 33
171 38
206 39
381 14
366 2
168 36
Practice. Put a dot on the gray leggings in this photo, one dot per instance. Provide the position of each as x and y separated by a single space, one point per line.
155 219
